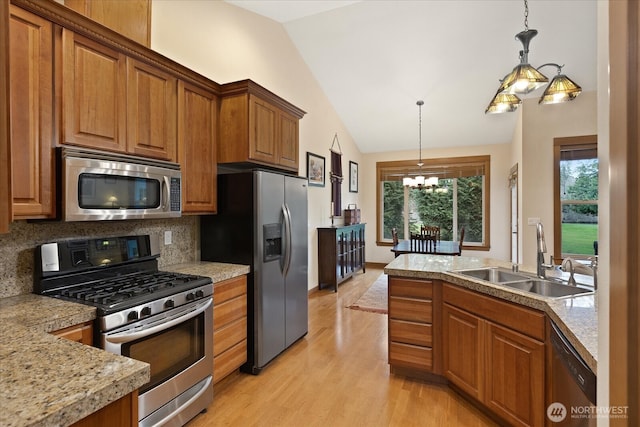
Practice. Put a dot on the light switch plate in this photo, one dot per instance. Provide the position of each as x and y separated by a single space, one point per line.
533 221
167 237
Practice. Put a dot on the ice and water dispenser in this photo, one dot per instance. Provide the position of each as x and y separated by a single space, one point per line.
272 235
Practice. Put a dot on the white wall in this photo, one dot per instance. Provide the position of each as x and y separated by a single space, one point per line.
499 227
226 43
540 125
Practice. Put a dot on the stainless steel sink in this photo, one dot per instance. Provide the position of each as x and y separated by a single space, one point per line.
547 288
524 282
493 274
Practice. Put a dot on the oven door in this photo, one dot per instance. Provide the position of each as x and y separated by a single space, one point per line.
178 345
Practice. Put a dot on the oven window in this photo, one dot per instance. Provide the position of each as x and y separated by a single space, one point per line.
169 352
101 191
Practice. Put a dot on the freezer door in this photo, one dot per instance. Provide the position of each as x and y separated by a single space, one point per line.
296 292
268 291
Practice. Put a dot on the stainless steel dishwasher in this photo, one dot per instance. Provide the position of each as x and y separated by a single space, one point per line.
573 390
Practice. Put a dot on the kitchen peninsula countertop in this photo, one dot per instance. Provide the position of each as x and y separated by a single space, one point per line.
51 381
577 317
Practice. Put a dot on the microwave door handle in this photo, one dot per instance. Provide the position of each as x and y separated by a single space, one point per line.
126 336
164 193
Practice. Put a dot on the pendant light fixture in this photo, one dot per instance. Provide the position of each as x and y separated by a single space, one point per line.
419 181
524 79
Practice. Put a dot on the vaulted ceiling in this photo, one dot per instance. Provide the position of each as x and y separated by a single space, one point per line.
375 58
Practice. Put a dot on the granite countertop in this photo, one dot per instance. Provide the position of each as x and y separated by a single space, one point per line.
216 270
51 381
577 316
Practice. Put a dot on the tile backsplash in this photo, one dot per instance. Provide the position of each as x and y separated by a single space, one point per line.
17 247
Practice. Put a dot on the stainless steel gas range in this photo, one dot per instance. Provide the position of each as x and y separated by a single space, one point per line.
162 318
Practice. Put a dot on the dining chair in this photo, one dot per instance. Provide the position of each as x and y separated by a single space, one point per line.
461 240
421 243
431 231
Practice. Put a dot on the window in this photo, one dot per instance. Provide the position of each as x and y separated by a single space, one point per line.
576 196
460 199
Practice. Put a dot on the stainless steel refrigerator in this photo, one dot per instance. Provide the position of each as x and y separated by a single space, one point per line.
262 222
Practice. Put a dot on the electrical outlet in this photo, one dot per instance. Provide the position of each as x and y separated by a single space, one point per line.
533 221
167 237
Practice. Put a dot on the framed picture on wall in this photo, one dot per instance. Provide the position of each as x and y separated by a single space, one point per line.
353 177
315 170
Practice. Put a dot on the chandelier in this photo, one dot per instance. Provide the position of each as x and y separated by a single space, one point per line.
420 181
524 79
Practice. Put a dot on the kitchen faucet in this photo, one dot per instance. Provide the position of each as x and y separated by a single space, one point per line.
542 249
573 266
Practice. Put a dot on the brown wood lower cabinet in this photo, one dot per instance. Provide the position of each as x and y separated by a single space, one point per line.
82 333
122 413
229 326
494 351
414 329
487 348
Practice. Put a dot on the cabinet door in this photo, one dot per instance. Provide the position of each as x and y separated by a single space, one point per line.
515 379
463 350
31 62
151 111
94 94
288 141
131 18
262 131
197 149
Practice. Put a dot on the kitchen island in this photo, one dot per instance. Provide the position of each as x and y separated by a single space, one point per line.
489 339
577 317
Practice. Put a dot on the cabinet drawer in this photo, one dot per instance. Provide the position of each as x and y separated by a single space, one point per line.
410 333
410 356
229 311
400 287
522 319
228 289
229 361
229 335
410 309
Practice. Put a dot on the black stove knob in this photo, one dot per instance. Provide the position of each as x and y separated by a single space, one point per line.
133 315
190 296
169 303
146 311
199 294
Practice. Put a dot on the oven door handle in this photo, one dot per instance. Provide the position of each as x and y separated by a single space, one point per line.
127 336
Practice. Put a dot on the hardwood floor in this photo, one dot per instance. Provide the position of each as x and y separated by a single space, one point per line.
337 375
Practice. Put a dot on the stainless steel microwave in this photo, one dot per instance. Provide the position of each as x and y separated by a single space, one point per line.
98 186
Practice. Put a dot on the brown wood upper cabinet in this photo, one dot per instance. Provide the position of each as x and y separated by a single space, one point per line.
5 137
257 126
31 94
115 103
131 18
197 115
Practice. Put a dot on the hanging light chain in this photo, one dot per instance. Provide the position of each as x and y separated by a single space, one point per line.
420 104
526 15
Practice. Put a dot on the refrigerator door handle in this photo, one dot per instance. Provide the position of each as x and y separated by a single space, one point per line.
287 236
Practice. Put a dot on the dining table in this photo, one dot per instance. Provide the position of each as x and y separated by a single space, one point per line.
443 247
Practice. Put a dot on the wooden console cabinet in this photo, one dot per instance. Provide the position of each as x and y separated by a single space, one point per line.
340 254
